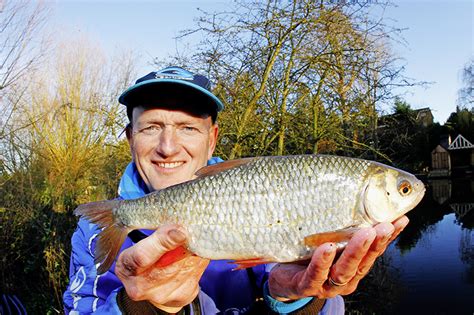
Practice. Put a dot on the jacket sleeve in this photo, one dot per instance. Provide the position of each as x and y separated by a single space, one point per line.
87 292
309 305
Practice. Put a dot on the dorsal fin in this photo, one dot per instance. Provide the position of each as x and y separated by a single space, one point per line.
223 166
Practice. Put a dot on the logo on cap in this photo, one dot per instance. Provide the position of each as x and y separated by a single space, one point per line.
174 73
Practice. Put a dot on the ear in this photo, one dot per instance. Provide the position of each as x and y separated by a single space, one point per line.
213 133
129 134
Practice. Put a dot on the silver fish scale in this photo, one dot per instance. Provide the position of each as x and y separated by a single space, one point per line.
264 208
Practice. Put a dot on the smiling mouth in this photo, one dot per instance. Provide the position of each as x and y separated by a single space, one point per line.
169 165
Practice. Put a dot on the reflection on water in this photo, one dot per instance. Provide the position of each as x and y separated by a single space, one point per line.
431 265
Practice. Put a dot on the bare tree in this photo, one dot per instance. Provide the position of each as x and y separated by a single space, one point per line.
466 93
293 73
22 49
21 23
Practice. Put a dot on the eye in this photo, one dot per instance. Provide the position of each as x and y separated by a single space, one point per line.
404 188
189 129
150 129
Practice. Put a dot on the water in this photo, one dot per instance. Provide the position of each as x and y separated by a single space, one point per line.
432 262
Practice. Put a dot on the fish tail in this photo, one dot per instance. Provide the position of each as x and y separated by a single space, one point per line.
111 238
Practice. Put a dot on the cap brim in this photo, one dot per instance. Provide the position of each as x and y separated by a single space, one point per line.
148 90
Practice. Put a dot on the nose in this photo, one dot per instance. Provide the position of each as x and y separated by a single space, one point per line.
168 143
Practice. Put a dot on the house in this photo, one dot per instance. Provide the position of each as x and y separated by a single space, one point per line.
452 157
441 159
424 116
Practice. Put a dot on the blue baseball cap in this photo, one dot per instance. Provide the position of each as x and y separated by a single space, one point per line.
172 87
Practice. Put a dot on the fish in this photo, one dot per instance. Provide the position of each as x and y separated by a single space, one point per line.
262 209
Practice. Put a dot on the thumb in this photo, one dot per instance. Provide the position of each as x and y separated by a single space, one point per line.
148 251
175 237
164 239
167 238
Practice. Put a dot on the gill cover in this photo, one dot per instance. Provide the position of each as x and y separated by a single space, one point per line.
390 193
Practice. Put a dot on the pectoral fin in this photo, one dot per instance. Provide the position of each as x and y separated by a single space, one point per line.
338 236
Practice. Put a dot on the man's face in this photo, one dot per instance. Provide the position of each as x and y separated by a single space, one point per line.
169 146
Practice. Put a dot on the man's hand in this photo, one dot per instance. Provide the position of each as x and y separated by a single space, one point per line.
324 278
168 288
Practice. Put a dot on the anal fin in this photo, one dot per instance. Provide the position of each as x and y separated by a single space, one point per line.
248 263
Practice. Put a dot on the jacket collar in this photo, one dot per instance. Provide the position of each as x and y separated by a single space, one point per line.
132 186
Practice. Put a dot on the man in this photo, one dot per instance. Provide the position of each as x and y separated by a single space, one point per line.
173 133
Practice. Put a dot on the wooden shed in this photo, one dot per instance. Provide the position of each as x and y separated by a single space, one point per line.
440 162
456 156
462 156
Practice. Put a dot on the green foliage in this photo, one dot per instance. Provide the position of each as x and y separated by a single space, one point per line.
295 77
63 151
35 236
462 122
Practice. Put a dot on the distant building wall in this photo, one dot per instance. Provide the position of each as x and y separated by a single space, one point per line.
440 159
424 117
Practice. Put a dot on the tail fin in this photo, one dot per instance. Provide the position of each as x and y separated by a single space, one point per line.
111 238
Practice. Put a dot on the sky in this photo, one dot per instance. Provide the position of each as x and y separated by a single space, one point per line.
438 34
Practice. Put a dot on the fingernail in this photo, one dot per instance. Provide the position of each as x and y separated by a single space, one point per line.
403 227
386 238
367 243
405 223
364 270
329 251
176 235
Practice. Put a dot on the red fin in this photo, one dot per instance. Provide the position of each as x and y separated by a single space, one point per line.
335 236
111 238
99 212
108 245
173 256
219 167
248 263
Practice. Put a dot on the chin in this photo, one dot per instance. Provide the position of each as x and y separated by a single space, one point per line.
165 184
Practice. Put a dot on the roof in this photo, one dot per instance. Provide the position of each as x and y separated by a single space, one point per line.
424 109
439 148
460 143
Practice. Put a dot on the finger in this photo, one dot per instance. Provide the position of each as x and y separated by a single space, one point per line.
191 266
148 251
158 284
178 285
173 300
293 281
384 233
347 264
399 224
318 269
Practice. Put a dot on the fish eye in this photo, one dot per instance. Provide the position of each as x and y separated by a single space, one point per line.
404 188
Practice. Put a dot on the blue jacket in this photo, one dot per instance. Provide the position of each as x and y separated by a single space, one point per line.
88 292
